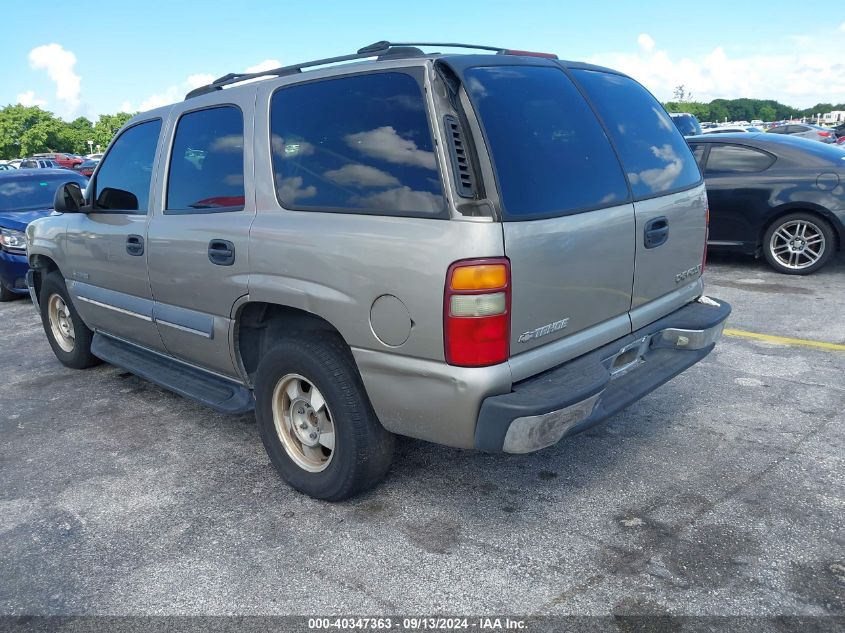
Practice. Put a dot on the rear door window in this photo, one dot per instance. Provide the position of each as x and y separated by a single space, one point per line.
207 162
357 144
550 153
655 156
737 158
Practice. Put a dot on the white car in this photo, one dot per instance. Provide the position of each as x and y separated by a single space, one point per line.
725 129
95 156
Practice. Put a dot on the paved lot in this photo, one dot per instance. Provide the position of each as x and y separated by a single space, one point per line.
720 493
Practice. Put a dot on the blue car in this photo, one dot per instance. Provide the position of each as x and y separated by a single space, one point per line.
25 195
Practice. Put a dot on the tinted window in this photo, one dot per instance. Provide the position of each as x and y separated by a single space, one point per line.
781 129
207 162
123 182
698 152
359 143
551 155
25 193
735 158
654 153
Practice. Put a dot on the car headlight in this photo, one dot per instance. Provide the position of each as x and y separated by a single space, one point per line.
13 241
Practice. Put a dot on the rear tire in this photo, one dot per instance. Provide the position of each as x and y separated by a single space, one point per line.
316 421
799 243
6 294
68 335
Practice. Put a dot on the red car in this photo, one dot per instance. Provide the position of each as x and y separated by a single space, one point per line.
62 160
86 168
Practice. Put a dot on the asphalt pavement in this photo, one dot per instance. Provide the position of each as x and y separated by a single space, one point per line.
721 493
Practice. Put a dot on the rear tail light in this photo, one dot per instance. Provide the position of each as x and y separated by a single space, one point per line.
824 134
476 312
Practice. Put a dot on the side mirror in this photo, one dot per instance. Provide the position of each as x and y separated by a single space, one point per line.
69 198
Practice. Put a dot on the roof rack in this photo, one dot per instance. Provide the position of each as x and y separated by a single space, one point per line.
382 50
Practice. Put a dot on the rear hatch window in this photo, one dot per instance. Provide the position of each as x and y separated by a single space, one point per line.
656 157
551 155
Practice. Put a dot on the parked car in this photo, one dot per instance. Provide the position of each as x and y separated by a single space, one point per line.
731 129
38 163
87 168
16 162
68 161
305 248
6 167
25 195
776 194
806 130
96 155
687 123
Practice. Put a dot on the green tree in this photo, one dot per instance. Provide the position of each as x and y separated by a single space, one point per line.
107 126
15 121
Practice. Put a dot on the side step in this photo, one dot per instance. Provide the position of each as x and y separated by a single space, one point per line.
212 390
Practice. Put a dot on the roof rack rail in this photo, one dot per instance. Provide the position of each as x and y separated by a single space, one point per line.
382 50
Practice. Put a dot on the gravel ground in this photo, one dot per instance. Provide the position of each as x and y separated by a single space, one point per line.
721 493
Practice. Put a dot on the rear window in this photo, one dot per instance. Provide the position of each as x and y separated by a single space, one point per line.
687 124
655 156
737 158
551 154
360 144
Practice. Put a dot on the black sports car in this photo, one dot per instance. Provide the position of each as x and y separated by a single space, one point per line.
779 195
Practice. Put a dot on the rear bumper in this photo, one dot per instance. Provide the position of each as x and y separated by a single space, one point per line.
541 410
13 268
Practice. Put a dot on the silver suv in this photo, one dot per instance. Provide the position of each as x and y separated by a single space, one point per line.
487 251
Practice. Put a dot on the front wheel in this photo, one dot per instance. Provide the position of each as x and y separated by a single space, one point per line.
316 421
68 335
798 244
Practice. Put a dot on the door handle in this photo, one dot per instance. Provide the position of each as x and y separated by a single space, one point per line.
221 252
656 232
135 245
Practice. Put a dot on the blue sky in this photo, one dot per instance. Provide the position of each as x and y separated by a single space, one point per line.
99 57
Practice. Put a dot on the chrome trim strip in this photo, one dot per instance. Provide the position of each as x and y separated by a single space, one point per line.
183 328
100 304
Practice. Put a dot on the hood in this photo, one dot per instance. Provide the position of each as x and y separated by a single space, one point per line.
18 220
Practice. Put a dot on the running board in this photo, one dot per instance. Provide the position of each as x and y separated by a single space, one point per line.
214 391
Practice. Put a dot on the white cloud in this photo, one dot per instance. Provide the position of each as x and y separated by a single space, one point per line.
177 92
402 199
199 79
290 189
805 70
267 64
361 176
59 64
28 98
646 42
386 144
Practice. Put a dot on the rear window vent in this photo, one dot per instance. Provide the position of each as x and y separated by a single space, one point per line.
460 158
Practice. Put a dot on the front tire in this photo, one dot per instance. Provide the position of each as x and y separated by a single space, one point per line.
316 421
67 333
798 243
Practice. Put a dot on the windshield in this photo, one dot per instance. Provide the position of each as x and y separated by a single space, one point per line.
551 155
26 193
